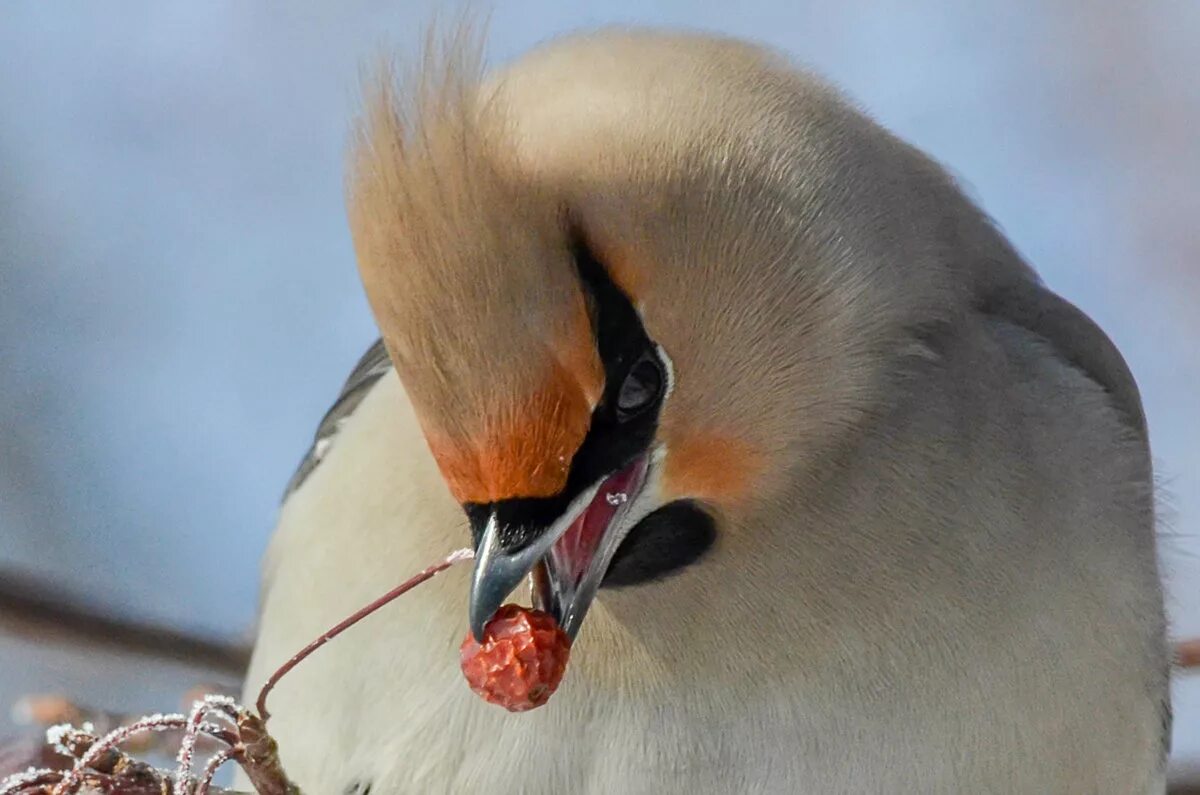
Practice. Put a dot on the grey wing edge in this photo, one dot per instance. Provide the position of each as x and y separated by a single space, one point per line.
373 365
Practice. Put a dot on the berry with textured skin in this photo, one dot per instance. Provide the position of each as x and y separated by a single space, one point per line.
521 660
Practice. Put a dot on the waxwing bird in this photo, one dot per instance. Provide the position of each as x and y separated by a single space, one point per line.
833 494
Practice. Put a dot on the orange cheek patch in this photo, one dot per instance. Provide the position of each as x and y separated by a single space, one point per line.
723 469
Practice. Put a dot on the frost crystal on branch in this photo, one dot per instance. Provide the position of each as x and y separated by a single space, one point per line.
100 767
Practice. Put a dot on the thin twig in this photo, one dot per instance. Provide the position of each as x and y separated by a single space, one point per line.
454 557
210 769
154 723
30 778
222 705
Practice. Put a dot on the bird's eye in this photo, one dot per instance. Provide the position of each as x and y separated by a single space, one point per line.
641 388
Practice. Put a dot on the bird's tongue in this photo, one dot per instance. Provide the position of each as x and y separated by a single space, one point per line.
573 552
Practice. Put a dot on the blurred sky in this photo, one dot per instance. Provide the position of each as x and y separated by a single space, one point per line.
179 303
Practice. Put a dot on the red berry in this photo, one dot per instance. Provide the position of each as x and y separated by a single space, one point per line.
521 660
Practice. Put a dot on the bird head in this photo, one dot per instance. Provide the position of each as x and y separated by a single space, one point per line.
636 288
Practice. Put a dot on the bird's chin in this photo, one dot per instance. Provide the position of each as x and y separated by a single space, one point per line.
566 579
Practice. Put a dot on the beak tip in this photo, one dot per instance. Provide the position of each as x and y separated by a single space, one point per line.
479 613
496 574
477 624
489 589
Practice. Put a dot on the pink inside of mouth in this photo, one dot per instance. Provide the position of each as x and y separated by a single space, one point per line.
573 553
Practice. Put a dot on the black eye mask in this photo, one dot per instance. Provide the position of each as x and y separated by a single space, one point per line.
622 428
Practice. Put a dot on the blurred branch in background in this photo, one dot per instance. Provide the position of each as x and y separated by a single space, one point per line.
46 613
118 662
1187 653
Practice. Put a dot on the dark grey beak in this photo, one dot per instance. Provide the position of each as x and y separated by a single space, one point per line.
498 572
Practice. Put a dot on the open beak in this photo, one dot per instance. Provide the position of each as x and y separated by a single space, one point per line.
568 560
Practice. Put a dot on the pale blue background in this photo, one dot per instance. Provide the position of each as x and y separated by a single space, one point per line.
178 301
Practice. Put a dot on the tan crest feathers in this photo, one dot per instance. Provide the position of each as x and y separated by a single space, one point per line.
467 268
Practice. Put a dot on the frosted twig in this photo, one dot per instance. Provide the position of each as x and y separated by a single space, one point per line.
153 723
21 758
222 705
33 777
210 770
457 556
100 765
